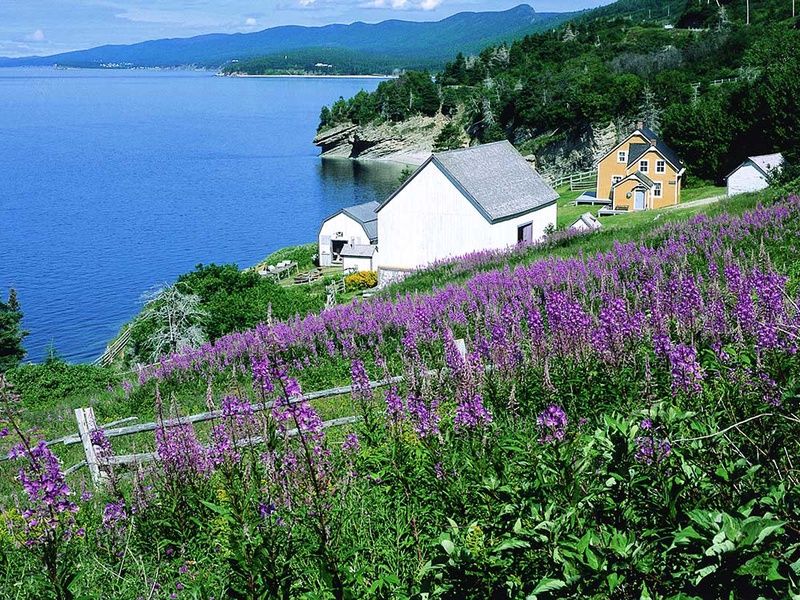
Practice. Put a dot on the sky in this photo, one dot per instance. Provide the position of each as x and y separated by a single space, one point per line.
44 27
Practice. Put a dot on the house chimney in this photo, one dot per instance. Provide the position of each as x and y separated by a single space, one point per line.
639 125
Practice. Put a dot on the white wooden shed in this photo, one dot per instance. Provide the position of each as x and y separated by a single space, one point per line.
753 174
359 257
586 222
351 226
462 201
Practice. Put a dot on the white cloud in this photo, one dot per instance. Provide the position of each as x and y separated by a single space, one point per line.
36 36
250 22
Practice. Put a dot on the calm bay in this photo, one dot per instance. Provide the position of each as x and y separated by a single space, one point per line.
114 182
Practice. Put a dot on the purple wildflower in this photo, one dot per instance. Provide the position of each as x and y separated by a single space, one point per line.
552 422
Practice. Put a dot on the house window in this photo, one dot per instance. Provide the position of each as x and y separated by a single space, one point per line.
644 166
525 233
622 156
661 166
615 180
657 190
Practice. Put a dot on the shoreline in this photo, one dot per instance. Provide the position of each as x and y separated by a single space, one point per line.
305 76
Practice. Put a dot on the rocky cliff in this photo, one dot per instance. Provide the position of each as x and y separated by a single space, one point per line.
410 141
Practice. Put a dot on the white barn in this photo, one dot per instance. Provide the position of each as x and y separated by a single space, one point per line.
354 226
485 197
753 174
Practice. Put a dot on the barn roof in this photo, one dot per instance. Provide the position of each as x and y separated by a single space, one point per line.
365 214
495 178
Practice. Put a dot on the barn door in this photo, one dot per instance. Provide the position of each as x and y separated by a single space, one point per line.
325 254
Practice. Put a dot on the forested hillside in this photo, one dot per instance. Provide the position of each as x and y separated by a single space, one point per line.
717 88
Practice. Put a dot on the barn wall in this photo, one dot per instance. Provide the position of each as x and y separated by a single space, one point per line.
746 178
431 220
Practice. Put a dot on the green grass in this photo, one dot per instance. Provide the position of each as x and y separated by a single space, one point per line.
701 192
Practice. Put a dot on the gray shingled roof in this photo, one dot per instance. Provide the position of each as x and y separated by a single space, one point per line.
495 178
637 150
359 251
366 215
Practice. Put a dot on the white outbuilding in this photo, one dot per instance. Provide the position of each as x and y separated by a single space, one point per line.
354 226
462 201
753 174
359 257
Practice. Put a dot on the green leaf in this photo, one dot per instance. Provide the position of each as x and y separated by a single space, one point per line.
448 546
763 567
705 572
548 585
511 544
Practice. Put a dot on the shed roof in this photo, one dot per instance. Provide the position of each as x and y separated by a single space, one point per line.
767 162
359 251
589 220
365 214
495 178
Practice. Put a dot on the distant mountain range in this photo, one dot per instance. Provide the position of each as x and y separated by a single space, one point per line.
394 43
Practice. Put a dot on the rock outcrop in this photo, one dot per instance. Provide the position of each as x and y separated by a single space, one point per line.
410 141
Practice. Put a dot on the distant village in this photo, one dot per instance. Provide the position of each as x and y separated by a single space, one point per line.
490 197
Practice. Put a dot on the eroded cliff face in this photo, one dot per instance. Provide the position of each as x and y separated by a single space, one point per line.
409 142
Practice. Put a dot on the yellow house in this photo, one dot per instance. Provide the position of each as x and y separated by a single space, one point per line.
640 173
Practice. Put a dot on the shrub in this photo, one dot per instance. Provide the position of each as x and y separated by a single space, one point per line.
363 280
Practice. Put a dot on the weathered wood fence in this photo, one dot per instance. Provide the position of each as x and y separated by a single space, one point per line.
577 181
99 464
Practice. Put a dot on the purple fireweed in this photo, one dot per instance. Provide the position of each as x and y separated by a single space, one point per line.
552 422
651 450
50 510
181 454
471 413
424 416
351 445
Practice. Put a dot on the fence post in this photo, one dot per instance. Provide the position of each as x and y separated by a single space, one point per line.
86 425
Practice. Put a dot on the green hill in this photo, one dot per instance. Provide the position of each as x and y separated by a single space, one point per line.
716 88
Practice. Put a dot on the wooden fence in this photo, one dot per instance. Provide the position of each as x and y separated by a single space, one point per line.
99 465
586 180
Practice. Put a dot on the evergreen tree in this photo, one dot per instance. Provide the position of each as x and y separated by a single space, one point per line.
11 333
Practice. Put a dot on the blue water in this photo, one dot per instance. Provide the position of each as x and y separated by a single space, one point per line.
113 182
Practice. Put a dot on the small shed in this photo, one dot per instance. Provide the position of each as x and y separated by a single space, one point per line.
753 174
353 226
359 257
586 222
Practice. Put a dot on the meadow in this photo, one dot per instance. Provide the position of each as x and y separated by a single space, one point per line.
623 424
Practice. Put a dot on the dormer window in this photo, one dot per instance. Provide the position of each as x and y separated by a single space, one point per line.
644 166
661 166
622 156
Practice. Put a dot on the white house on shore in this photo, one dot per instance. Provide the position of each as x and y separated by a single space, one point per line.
753 174
348 237
484 197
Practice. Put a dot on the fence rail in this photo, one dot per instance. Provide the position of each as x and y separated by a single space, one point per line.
115 349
